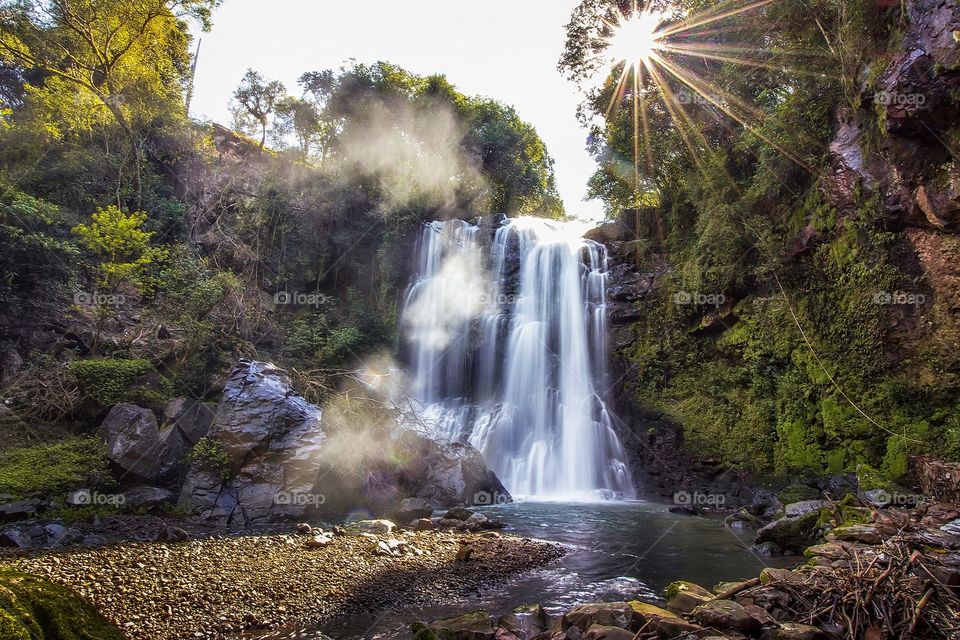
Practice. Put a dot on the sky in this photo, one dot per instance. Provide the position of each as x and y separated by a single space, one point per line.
502 49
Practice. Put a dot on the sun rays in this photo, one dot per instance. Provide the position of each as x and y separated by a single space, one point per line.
658 56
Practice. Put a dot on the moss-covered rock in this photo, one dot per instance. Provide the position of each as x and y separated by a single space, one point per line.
793 534
34 609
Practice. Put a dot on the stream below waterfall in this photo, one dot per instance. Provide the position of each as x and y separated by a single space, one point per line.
616 551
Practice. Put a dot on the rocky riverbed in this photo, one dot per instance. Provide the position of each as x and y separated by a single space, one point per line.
204 588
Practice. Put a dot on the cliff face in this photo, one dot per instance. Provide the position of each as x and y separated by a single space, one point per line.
713 385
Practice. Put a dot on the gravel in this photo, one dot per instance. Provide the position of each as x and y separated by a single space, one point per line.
205 588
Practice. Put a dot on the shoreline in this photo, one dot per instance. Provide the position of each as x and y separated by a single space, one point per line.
231 586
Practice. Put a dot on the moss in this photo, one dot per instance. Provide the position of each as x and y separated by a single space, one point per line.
111 381
34 609
210 455
798 493
54 468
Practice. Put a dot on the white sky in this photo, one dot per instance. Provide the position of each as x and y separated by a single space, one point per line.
504 49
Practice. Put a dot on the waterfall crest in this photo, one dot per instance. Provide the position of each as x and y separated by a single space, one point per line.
504 328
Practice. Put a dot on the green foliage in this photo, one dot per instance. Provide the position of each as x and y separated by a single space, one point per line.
122 247
112 381
210 455
34 609
53 469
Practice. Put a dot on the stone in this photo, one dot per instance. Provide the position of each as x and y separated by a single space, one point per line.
601 632
413 509
792 534
798 509
319 541
794 631
450 523
771 575
837 550
768 549
676 628
684 597
304 529
272 437
856 533
608 614
134 444
643 611
15 538
19 510
423 524
464 553
150 499
726 615
377 527
173 534
525 621
476 625
458 513
763 618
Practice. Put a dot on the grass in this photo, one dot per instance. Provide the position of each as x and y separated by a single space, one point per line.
52 469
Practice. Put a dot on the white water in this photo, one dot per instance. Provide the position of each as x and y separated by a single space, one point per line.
505 331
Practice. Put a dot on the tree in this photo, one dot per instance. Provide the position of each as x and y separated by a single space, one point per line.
300 118
130 57
256 101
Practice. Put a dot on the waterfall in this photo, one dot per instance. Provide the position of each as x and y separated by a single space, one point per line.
504 329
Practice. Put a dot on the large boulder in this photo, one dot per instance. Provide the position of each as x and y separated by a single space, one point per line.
272 439
793 534
135 445
185 422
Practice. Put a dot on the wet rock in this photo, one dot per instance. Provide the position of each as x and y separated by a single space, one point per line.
798 509
413 509
684 597
768 549
525 621
609 614
476 625
272 438
423 524
856 533
676 628
458 513
601 632
742 519
792 534
726 615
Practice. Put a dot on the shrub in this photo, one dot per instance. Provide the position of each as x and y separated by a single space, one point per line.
210 455
112 381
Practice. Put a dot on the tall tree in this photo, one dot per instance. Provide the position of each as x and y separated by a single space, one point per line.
257 100
129 56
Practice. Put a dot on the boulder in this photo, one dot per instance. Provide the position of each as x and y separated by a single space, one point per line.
601 632
133 442
684 597
476 625
49 535
726 615
458 513
19 510
643 611
608 614
423 524
792 534
525 621
272 438
185 422
413 509
797 509
856 533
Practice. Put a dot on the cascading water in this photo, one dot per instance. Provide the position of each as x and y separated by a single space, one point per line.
505 330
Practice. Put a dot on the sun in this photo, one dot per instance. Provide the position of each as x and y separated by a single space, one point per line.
635 39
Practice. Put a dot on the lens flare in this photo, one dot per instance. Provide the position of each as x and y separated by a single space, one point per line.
635 39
